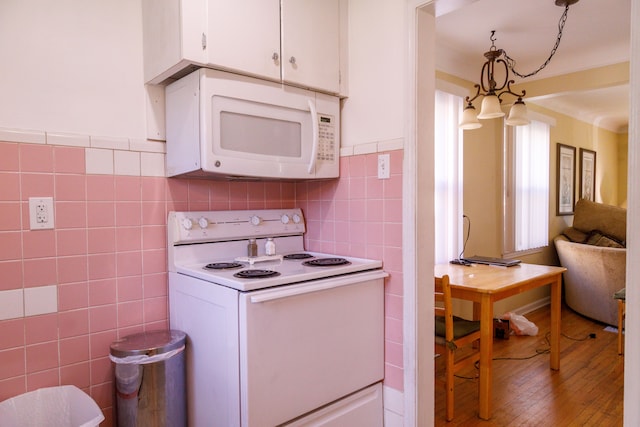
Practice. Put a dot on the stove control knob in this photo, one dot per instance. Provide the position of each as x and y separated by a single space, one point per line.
203 222
296 218
255 220
187 224
285 219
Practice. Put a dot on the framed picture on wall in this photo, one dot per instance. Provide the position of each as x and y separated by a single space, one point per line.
566 179
587 189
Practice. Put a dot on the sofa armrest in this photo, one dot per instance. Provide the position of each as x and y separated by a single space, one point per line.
594 274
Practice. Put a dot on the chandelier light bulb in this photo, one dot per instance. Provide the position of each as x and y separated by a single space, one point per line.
490 108
469 118
518 114
492 91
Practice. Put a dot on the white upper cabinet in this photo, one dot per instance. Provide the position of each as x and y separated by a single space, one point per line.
311 43
294 41
244 35
173 37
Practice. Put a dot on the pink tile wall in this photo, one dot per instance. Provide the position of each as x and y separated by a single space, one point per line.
361 215
107 254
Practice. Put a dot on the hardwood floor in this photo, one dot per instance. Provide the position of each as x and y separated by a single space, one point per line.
586 391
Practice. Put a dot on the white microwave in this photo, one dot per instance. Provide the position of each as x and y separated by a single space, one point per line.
224 125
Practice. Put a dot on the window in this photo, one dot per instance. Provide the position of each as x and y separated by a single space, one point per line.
526 189
448 177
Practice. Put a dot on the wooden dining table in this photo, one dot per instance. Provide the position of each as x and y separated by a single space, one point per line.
486 284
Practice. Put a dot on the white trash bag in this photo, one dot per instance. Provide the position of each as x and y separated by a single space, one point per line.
63 406
520 325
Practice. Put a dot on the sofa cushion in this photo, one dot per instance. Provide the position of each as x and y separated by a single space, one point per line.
607 219
597 238
574 235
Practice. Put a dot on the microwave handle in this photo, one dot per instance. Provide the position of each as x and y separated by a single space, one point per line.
314 125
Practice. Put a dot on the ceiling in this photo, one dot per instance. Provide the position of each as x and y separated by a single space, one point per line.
596 33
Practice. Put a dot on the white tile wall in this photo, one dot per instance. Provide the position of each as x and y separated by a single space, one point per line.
40 300
109 142
391 144
393 407
152 164
103 155
372 147
69 139
126 163
26 136
147 146
16 303
365 149
98 161
11 304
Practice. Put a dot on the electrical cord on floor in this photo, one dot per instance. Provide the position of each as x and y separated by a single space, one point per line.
539 351
547 349
586 337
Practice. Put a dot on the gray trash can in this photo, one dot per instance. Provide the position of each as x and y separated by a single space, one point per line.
150 379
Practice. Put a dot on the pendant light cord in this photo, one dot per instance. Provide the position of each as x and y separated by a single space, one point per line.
512 63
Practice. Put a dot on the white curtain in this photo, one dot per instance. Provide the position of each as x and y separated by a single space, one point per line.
448 178
532 186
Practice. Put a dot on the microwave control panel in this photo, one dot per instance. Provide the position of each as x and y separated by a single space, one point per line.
326 138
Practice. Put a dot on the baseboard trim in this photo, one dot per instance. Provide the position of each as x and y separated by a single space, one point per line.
533 306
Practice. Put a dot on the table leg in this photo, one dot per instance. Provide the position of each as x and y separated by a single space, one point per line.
486 356
556 291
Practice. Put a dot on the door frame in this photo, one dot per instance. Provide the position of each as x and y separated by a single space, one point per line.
418 219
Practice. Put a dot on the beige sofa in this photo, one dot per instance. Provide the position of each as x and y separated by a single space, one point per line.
594 252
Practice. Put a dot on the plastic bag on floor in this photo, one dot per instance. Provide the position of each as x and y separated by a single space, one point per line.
520 325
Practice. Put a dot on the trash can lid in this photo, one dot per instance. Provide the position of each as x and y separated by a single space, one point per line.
148 343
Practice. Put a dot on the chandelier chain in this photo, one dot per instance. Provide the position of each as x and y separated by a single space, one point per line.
511 62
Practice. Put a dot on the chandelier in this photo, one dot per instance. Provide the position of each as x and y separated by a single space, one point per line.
492 92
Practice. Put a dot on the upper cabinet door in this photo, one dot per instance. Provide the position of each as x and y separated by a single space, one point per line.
299 42
311 43
173 36
244 36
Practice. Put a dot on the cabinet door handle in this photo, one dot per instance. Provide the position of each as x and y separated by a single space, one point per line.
292 60
275 56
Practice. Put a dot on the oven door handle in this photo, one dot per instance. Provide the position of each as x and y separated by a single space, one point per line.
291 291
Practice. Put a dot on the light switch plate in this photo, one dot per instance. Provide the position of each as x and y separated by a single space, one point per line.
41 213
383 166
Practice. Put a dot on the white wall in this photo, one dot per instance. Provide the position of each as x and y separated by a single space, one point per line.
374 110
374 116
52 80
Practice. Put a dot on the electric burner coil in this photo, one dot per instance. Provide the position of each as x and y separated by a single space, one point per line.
300 255
255 274
326 262
223 265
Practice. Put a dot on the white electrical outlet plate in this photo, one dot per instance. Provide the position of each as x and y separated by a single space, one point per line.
383 166
40 213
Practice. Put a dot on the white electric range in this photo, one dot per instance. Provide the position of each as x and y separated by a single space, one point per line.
292 338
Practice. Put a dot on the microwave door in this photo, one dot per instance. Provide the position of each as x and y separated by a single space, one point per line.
260 140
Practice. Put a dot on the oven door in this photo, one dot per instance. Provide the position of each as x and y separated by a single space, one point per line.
306 345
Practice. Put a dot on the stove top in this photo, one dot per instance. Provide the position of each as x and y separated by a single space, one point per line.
212 246
278 271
